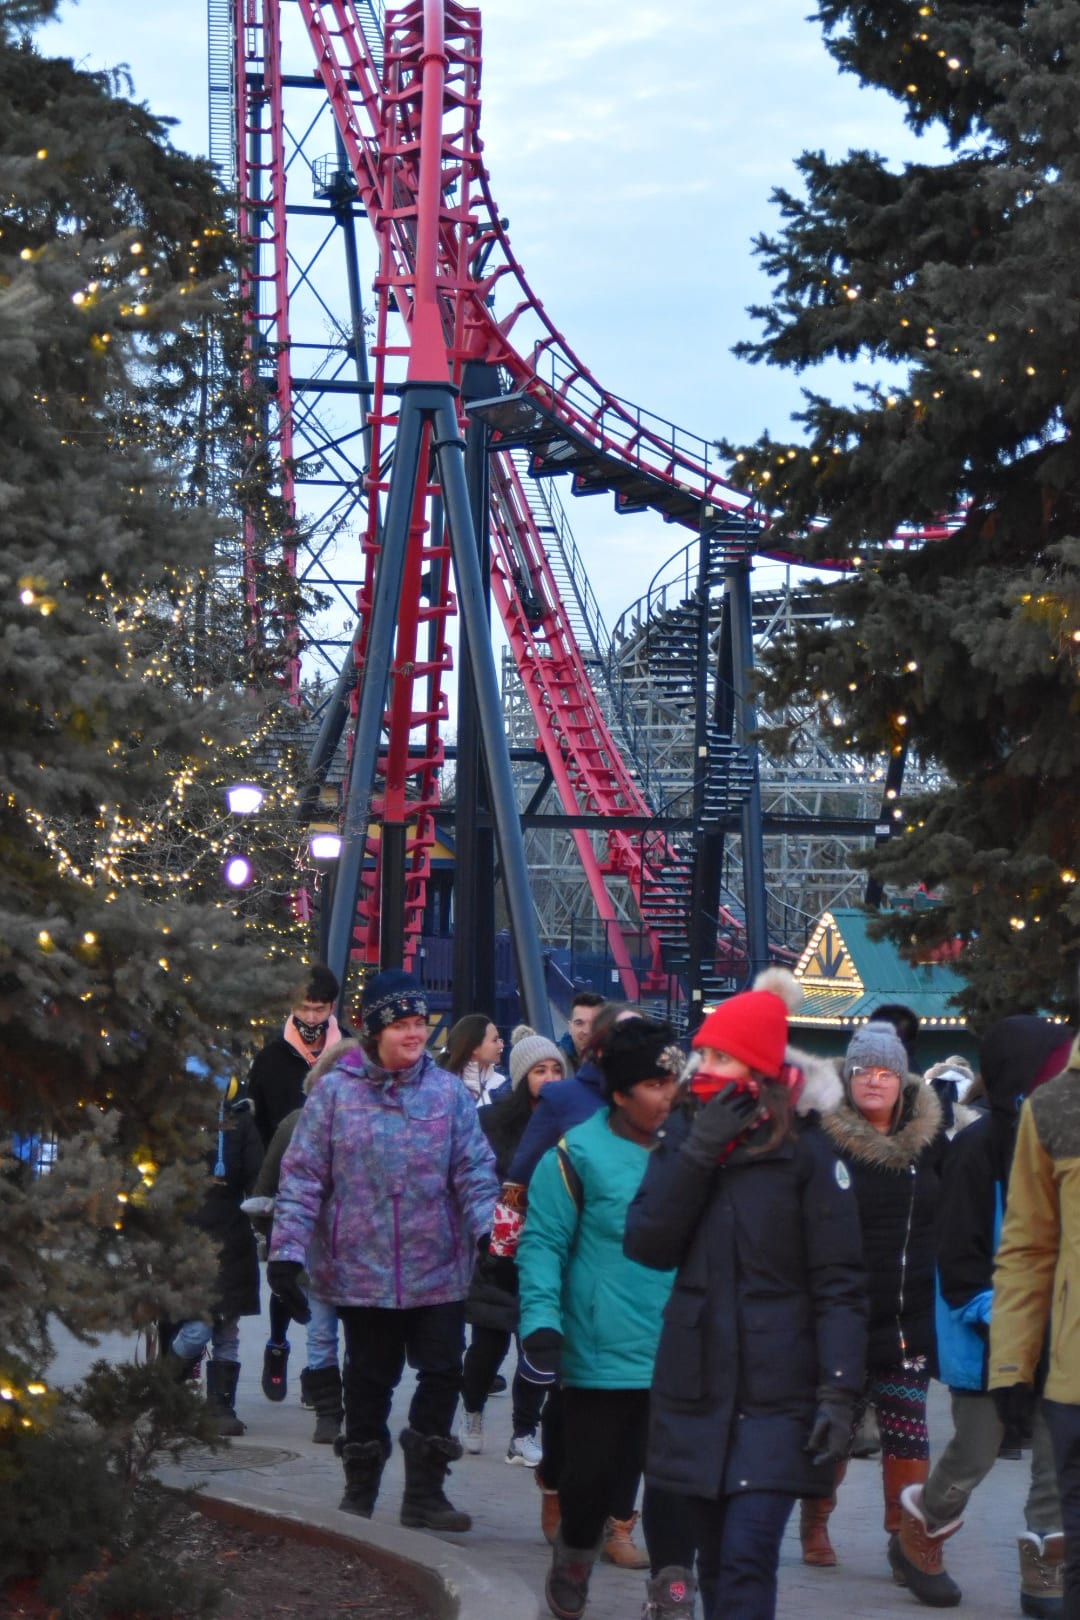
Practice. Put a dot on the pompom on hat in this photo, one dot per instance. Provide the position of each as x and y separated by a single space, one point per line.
389 996
752 1026
527 1049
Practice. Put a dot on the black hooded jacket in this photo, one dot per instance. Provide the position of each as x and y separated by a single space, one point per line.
1012 1055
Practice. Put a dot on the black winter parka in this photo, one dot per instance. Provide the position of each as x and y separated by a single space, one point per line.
896 1179
492 1300
222 1219
767 1309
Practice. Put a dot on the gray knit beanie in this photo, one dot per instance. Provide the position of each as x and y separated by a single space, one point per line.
875 1046
528 1049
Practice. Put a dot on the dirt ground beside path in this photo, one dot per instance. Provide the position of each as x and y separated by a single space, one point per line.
270 1577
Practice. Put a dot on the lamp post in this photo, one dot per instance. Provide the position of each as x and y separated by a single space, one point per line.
324 848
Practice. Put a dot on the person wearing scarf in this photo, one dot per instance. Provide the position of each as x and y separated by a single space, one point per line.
275 1080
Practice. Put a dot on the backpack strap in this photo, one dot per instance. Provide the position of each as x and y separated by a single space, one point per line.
571 1180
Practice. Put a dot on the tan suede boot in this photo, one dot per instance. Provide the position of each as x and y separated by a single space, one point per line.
619 1547
1042 1574
550 1511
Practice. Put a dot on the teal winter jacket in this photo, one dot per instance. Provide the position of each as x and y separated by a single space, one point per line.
574 1276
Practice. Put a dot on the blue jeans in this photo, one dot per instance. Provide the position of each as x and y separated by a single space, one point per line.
191 1339
322 1333
736 1540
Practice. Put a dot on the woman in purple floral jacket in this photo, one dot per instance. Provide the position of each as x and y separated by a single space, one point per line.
387 1185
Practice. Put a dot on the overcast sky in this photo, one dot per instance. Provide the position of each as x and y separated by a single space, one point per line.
633 147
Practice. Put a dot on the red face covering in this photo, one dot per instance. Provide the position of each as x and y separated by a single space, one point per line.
706 1085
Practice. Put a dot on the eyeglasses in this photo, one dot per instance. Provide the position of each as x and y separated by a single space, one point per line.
874 1074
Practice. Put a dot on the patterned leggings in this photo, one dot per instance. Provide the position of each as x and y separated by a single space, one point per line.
898 1396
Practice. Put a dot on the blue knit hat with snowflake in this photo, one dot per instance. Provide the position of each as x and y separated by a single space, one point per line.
389 996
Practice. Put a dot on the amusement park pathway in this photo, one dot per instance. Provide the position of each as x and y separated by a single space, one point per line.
275 1463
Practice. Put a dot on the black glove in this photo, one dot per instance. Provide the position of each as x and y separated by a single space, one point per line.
1014 1407
283 1277
542 1354
721 1122
830 1438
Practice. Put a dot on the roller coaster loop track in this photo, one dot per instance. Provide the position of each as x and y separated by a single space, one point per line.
403 87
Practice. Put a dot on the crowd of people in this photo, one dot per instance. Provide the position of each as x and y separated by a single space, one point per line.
710 1269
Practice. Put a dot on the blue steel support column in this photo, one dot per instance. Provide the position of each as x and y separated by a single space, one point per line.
389 577
737 580
449 450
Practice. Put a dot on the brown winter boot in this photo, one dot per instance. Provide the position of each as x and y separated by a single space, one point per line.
550 1511
619 1547
814 1514
915 1553
897 1473
1042 1574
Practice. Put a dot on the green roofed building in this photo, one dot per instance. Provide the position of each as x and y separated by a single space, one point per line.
845 975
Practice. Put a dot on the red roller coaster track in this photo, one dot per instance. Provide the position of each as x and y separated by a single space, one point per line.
406 104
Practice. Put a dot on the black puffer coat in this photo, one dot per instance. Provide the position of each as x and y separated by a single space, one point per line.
275 1085
896 1180
222 1219
492 1300
768 1307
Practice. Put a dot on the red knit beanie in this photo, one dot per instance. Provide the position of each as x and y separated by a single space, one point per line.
752 1026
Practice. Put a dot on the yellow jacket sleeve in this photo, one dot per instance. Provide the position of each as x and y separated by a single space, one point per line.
1026 1260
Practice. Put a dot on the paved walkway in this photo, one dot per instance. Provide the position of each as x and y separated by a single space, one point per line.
275 1461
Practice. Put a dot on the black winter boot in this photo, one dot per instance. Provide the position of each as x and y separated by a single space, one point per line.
427 1463
567 1584
221 1377
275 1373
364 1461
670 1595
320 1388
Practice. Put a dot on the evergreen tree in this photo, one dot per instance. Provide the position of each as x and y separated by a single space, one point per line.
959 277
122 957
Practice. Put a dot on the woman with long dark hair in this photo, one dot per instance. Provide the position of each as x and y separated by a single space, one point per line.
473 1048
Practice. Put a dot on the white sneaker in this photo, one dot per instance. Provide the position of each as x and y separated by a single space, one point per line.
524 1449
472 1432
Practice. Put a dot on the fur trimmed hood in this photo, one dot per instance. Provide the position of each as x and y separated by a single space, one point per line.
823 1090
855 1137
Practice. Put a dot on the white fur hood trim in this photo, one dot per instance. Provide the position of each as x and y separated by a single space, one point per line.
822 1087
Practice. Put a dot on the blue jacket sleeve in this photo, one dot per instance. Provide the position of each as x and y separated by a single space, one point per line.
541 1133
548 1236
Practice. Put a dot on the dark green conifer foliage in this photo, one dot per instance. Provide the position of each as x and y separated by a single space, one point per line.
115 263
959 278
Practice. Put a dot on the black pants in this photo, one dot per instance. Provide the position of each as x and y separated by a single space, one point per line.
485 1355
604 1434
1063 1421
279 1320
377 1345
